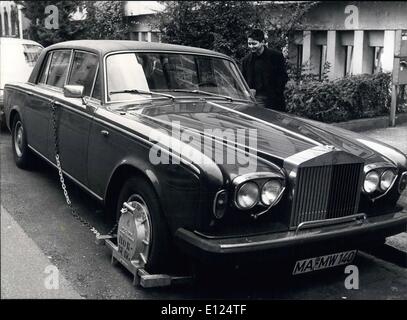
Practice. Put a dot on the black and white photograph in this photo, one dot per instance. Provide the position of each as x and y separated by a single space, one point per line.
203 154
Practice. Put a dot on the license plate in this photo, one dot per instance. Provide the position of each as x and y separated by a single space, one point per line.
324 262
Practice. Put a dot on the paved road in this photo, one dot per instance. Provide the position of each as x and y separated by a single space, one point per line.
35 209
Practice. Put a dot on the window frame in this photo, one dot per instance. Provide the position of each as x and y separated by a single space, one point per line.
95 75
104 63
50 55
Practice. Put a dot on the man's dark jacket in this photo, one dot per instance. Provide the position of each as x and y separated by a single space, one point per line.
274 76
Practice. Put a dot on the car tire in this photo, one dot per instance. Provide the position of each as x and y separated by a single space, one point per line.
159 242
23 157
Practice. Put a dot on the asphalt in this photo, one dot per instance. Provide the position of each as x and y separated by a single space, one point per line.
26 272
37 231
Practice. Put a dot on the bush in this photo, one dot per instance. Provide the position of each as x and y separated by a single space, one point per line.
354 97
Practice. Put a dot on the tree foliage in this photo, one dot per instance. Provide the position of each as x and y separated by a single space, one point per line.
217 25
104 20
37 31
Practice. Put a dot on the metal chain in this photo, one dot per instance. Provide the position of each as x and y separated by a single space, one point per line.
62 180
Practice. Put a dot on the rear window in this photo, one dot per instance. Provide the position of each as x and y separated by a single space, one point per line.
31 53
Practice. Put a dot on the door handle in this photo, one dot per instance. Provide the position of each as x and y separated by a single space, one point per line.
104 133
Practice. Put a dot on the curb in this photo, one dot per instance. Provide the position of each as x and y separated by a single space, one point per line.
370 123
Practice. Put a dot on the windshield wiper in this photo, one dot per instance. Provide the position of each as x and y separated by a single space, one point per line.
137 91
204 92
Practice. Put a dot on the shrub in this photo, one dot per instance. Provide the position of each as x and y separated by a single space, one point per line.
354 97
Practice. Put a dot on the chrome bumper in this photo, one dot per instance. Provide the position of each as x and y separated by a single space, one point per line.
371 227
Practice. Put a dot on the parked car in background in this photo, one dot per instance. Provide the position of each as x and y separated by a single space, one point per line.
316 193
17 59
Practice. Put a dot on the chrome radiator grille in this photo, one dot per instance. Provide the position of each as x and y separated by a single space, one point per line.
326 192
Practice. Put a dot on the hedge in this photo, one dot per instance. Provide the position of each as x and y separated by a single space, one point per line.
353 97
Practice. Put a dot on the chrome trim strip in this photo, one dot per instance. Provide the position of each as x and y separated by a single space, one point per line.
378 165
256 175
304 138
67 174
326 222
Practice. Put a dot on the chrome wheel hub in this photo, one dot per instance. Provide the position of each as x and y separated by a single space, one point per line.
18 139
134 232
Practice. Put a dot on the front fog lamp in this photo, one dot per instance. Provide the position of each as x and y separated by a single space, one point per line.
270 191
248 195
386 179
371 182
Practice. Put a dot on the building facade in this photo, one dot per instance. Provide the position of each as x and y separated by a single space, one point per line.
141 14
352 37
9 19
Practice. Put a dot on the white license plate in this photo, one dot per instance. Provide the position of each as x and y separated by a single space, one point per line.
324 262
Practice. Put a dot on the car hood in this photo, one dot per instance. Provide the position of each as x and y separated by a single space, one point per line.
278 135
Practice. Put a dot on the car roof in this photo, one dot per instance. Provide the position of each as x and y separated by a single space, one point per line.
18 41
106 46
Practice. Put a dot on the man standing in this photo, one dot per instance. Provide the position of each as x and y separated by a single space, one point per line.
264 70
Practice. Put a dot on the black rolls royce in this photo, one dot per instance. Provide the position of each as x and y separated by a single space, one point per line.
174 134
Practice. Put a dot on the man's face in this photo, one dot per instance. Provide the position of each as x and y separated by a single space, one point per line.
255 46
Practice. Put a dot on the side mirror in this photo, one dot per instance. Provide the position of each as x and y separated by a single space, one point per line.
253 92
73 91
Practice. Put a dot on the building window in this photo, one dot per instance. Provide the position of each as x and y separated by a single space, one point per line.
155 37
299 57
348 60
6 24
377 59
144 36
322 61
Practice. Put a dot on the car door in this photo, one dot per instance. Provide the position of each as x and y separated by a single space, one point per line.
40 96
74 117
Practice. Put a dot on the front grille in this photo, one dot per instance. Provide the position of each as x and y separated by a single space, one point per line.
326 192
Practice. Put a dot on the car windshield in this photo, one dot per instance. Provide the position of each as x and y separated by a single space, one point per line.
188 74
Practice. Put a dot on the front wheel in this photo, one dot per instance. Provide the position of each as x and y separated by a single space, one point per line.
22 154
149 231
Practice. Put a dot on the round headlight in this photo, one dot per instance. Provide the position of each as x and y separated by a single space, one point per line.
270 191
371 182
386 179
248 195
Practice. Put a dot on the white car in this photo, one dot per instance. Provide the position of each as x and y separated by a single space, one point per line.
17 59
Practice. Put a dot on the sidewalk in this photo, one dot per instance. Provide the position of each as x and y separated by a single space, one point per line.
23 266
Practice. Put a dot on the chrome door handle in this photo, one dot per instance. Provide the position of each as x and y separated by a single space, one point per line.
104 133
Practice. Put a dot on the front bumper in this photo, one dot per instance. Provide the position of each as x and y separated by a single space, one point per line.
291 244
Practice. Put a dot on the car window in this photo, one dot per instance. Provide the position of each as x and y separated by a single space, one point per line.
31 53
58 68
124 72
83 71
172 72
